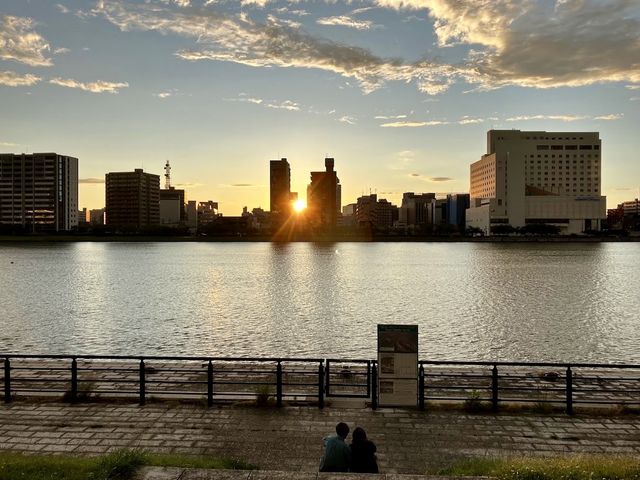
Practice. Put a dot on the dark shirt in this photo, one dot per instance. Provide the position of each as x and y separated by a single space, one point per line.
337 455
363 457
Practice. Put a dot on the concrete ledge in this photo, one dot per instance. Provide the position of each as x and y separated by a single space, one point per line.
177 473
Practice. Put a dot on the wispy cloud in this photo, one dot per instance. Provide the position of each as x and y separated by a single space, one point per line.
20 42
286 105
61 51
221 37
470 120
8 144
163 94
440 179
345 21
347 119
389 117
91 180
99 86
13 79
413 124
564 118
189 185
243 185
633 87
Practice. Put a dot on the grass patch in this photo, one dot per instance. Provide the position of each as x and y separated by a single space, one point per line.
556 468
120 465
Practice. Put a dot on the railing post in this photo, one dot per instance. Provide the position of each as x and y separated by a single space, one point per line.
374 386
142 385
74 380
279 384
421 387
569 391
494 388
327 389
7 380
321 385
210 384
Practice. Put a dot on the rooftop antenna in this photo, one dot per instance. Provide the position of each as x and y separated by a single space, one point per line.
167 176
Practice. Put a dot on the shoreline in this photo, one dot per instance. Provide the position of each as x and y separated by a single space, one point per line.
13 239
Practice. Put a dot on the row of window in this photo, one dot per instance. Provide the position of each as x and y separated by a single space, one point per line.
567 147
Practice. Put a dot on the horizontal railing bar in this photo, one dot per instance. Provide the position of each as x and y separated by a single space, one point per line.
155 357
527 364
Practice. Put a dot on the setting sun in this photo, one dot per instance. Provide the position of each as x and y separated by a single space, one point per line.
299 205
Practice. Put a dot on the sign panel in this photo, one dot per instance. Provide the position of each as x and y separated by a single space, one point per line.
398 365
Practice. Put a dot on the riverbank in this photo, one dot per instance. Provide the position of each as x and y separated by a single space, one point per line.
64 238
290 438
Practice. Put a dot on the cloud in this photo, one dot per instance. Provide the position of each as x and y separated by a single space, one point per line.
470 121
286 105
440 179
220 37
538 44
163 94
612 116
564 118
8 144
13 79
413 124
20 42
242 185
62 8
91 180
61 51
389 117
345 21
188 185
99 86
347 119
414 174
633 87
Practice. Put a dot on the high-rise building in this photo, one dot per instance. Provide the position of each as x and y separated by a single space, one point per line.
323 196
172 207
374 213
417 209
538 178
132 199
280 188
39 191
457 204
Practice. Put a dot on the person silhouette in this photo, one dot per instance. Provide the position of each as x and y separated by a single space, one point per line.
363 453
337 454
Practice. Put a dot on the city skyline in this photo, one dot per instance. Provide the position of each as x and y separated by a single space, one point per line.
401 94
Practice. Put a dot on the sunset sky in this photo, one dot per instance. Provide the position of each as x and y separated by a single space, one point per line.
399 92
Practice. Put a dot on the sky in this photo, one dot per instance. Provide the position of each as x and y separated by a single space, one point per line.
400 92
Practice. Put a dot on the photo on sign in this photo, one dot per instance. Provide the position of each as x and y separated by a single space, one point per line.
386 387
387 364
399 342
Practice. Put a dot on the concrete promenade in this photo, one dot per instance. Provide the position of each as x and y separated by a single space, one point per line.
290 438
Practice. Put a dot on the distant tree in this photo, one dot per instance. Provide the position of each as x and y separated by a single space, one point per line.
503 229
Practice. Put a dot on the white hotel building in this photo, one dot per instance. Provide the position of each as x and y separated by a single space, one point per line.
538 177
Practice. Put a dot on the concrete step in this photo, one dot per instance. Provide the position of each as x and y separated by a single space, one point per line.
178 473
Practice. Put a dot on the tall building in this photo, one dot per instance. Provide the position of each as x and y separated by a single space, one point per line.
132 199
280 188
377 214
172 207
39 191
457 204
324 196
417 209
538 178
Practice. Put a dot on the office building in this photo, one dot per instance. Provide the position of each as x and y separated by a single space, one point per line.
457 204
280 189
538 177
324 196
96 217
207 212
416 209
39 191
132 199
374 213
172 207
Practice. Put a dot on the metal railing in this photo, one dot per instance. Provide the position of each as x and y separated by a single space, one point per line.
80 377
542 383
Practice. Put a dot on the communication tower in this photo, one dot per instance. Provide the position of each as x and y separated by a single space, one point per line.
167 176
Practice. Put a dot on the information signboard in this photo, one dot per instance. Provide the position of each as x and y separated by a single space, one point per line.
398 365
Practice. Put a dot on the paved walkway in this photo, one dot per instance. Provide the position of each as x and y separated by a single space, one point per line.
290 438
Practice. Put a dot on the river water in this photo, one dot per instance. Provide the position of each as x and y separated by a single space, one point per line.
472 301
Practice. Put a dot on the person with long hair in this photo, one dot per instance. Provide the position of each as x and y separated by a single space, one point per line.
363 453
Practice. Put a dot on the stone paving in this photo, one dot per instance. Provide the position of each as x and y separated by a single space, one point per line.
289 438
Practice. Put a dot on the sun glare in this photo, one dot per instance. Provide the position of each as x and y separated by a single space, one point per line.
299 205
